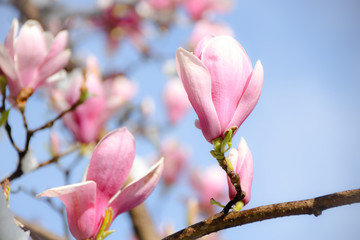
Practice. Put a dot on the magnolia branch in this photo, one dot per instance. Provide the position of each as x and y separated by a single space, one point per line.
29 133
221 221
18 172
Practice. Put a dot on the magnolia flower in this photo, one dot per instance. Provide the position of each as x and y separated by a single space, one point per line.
103 191
205 28
175 157
87 121
89 118
221 84
118 91
198 8
29 59
176 100
55 144
120 20
242 162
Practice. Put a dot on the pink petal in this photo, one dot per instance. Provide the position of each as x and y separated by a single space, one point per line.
137 191
197 83
90 116
79 200
58 45
229 68
10 38
30 51
7 66
52 66
196 8
72 92
233 157
111 163
176 100
245 169
250 96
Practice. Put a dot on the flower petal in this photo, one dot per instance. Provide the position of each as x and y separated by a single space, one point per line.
245 169
52 66
111 163
10 37
30 51
7 66
137 191
79 200
233 157
58 45
197 83
229 68
250 96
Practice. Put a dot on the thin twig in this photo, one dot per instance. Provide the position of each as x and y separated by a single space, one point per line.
8 131
54 159
221 221
18 172
51 123
37 232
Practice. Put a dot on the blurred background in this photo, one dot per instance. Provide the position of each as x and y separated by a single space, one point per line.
303 134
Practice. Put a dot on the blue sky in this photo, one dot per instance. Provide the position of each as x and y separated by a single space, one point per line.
303 134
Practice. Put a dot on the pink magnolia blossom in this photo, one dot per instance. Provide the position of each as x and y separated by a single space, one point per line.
121 20
210 183
176 100
33 56
88 119
242 162
110 164
198 8
55 144
118 91
221 84
175 157
205 28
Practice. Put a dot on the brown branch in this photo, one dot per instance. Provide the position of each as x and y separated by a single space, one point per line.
54 159
36 231
8 131
142 224
18 172
26 9
29 133
313 206
51 123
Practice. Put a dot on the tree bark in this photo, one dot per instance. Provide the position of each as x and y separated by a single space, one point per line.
220 221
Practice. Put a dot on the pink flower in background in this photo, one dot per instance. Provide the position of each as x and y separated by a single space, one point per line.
33 56
210 183
221 84
110 164
242 162
55 144
198 8
120 21
176 100
175 157
206 28
118 91
88 119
